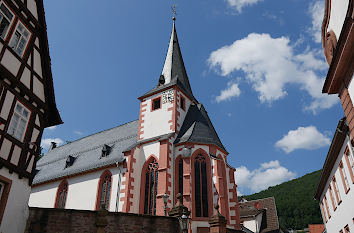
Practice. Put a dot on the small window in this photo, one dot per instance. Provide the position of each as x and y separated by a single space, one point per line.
183 103
336 190
156 104
344 177
19 39
62 193
19 121
105 150
6 17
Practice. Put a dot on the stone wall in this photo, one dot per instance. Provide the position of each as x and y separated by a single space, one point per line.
47 220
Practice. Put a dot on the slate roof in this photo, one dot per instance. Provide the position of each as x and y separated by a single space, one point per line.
87 152
174 69
267 205
198 128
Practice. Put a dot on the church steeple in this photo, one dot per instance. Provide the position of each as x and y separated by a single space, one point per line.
173 72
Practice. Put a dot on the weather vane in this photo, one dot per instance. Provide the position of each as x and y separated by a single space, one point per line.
174 11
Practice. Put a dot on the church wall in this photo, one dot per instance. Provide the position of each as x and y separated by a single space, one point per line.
181 114
337 16
15 216
149 118
82 192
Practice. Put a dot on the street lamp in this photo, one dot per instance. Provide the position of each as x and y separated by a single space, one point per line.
165 197
184 221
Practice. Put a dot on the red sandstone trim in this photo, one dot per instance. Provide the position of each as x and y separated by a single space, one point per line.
60 187
99 189
128 182
190 144
221 185
141 121
153 104
236 208
179 157
5 195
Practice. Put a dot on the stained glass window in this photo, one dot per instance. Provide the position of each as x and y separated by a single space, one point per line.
61 195
105 190
151 178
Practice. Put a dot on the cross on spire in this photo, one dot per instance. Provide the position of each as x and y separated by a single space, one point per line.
174 12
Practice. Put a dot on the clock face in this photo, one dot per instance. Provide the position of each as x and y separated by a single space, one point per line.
168 96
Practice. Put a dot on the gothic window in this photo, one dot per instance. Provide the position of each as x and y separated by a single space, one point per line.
180 176
150 189
19 121
19 39
200 186
6 17
104 190
62 193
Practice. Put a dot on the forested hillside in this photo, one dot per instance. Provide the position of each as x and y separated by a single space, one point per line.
294 199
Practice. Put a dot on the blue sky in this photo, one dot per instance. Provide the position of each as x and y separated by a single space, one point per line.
256 65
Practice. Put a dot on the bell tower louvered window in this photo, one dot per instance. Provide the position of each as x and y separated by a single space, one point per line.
62 194
151 178
200 186
104 190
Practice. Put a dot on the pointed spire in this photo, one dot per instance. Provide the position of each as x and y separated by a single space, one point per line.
173 71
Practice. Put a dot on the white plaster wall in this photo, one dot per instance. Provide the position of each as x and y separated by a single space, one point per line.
16 211
82 192
38 88
7 105
5 148
351 89
10 62
37 65
32 6
337 16
254 224
156 122
344 213
26 78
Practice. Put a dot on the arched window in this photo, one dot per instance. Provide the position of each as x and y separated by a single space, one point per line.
150 189
201 186
62 193
104 190
180 176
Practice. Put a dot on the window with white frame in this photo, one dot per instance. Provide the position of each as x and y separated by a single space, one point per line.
351 160
6 18
20 38
19 121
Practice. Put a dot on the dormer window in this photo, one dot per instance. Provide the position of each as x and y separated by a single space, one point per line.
6 17
105 150
20 38
69 161
156 104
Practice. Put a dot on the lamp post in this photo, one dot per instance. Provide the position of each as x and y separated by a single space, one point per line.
184 221
165 197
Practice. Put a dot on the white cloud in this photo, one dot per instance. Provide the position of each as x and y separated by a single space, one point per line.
308 138
239 4
316 10
78 132
230 92
51 128
45 143
270 65
268 174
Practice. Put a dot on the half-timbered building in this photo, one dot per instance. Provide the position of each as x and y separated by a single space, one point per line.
172 148
27 104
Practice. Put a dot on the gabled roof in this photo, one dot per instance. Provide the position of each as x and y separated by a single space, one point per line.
268 207
332 155
87 152
174 72
198 128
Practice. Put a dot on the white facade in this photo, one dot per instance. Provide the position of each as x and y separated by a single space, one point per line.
337 16
82 191
342 214
16 213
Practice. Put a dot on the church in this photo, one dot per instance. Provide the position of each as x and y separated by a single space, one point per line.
173 148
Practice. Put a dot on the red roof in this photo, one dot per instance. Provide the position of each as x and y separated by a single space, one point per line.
316 228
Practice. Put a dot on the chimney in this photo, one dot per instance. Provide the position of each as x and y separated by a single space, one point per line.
52 146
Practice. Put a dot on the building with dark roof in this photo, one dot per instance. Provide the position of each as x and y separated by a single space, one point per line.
259 216
172 148
27 105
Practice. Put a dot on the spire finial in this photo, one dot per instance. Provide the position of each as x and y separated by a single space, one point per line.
174 12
